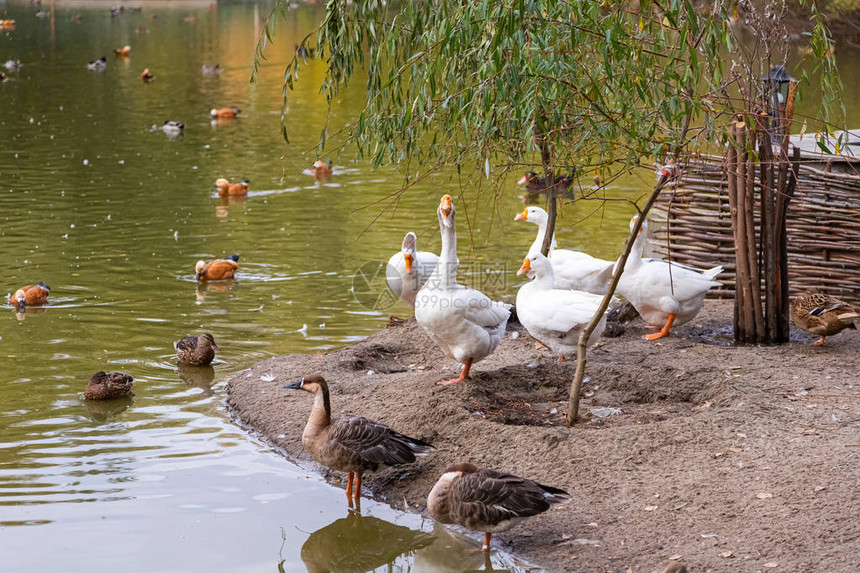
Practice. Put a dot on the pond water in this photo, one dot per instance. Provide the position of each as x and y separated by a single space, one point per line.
113 216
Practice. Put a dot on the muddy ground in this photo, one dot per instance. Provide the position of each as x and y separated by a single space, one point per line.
725 458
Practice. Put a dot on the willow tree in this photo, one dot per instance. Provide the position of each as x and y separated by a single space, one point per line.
491 86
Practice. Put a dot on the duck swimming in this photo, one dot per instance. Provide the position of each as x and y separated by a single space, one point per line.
663 292
408 270
483 499
225 112
322 168
573 270
146 75
108 385
227 189
123 52
351 443
555 317
465 323
822 314
217 270
536 184
211 70
196 350
31 295
97 65
173 128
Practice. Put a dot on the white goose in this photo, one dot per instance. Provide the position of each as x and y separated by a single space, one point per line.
553 316
465 323
663 293
408 270
573 269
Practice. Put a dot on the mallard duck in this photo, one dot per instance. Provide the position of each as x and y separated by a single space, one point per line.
408 270
482 499
536 184
31 295
123 52
196 350
146 75
108 385
211 70
173 128
822 314
350 443
322 168
465 323
573 269
217 270
12 65
97 65
225 112
663 293
227 189
554 317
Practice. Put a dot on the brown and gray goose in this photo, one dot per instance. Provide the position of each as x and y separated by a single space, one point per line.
108 385
351 443
822 314
196 350
483 499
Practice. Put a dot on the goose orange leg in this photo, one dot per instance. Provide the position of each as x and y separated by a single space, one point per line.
357 488
486 546
820 342
463 374
349 478
663 331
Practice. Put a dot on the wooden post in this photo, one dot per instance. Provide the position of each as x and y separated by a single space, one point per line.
744 284
768 226
731 171
756 327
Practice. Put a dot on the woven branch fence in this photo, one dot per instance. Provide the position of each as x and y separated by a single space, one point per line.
694 227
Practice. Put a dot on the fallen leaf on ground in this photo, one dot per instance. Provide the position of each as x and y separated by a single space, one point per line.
764 495
736 450
592 524
675 557
771 564
820 488
726 554
741 435
650 507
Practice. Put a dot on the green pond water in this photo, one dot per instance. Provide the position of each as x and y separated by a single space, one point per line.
113 216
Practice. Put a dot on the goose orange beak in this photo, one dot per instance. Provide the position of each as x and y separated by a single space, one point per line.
408 259
523 180
446 205
527 266
524 216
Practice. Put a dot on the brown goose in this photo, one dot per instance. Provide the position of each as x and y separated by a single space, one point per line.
822 314
196 350
108 385
482 499
350 443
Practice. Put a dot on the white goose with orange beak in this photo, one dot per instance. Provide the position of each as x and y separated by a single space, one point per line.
554 317
408 270
573 269
663 293
465 323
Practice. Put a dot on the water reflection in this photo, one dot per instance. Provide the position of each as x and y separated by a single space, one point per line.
452 554
103 410
198 377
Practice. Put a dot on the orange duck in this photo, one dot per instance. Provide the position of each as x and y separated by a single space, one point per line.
227 189
31 295
225 112
146 75
217 270
123 52
322 168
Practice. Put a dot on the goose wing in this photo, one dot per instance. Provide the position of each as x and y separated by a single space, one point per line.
480 309
375 442
562 311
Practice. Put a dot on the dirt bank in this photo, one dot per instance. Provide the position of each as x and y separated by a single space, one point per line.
728 459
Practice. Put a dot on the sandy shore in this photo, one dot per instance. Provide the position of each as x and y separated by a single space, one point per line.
724 458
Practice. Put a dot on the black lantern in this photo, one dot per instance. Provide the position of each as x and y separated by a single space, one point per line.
777 85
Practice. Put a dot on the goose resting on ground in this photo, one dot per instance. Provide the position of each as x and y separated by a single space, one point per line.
350 443
465 323
482 499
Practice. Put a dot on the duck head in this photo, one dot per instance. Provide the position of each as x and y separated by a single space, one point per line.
535 265
527 178
20 296
643 228
207 339
446 211
532 214
199 268
221 183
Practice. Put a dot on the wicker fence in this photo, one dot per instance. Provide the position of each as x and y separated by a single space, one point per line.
693 227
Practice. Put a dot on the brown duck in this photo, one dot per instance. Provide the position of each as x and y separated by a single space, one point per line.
227 189
351 443
31 295
196 350
822 314
537 184
483 499
108 385
217 270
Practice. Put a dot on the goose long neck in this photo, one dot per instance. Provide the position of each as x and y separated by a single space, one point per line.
635 257
321 411
448 262
545 280
538 242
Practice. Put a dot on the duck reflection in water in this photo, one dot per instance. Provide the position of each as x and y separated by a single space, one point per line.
198 377
222 209
456 553
23 312
357 543
204 289
104 410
